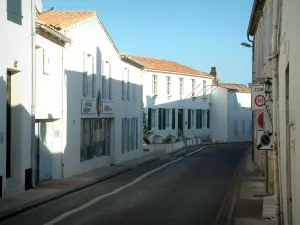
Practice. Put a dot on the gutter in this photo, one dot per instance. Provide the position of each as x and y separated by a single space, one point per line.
253 12
54 33
132 61
185 74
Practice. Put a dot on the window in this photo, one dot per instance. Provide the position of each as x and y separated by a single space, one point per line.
181 87
168 112
161 118
243 127
152 118
94 138
123 83
193 118
173 118
154 84
204 122
235 128
208 119
128 86
189 118
199 118
204 87
193 84
14 11
168 84
105 74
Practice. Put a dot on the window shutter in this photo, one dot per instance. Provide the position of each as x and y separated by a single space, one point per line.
173 118
14 11
45 62
128 85
94 91
110 83
208 118
160 118
200 113
189 119
84 76
149 118
164 118
123 83
197 119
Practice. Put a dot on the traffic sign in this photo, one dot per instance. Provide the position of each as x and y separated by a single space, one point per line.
260 120
258 97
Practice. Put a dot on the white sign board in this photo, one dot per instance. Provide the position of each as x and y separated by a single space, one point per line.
107 108
257 97
88 107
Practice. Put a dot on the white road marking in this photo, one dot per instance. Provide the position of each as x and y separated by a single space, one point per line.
117 190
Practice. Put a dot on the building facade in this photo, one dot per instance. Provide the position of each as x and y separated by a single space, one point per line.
176 100
97 111
16 70
273 25
231 113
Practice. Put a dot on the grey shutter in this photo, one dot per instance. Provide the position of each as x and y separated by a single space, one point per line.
173 118
189 119
160 122
149 118
200 118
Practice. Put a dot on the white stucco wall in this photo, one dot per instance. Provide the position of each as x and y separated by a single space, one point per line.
162 101
219 115
16 45
239 110
99 46
288 145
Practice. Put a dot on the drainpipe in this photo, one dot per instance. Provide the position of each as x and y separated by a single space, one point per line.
33 86
274 58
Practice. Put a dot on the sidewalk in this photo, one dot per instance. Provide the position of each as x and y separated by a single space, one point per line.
53 189
251 203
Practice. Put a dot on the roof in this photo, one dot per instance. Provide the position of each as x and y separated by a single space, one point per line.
166 66
60 19
52 31
237 87
256 13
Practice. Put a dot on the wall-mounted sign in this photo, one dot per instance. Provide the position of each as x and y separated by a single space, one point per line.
98 103
107 108
257 97
88 107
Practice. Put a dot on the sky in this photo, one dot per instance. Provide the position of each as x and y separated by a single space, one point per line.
196 33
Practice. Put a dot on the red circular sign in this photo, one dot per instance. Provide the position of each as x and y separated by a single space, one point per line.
260 120
259 100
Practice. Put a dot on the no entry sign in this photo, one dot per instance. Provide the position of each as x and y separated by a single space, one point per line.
258 97
260 120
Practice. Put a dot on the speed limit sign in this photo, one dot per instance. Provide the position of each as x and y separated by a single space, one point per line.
258 97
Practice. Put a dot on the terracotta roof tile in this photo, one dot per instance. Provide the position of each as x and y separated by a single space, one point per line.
167 65
237 87
62 19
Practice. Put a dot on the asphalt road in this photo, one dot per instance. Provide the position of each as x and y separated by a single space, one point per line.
187 188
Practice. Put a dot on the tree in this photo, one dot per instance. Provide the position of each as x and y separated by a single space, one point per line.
146 130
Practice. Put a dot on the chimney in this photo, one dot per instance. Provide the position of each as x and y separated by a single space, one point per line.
214 72
249 85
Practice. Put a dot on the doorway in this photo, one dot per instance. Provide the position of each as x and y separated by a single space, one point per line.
180 122
44 146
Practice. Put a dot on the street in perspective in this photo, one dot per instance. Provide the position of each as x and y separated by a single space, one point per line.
150 112
188 187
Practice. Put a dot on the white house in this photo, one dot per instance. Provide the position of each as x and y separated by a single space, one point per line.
231 113
101 98
17 19
176 100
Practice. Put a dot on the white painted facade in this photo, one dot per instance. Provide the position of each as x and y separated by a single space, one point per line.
108 68
15 58
231 116
172 99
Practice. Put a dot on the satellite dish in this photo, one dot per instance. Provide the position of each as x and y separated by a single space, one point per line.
39 6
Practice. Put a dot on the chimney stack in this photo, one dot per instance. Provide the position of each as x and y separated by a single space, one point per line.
214 72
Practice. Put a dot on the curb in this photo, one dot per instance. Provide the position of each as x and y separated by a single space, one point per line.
35 204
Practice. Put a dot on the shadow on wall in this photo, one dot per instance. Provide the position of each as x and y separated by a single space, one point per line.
90 137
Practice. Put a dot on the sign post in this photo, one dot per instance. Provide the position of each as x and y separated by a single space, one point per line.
257 97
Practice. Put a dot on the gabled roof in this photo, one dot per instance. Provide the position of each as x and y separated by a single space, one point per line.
167 66
237 87
60 19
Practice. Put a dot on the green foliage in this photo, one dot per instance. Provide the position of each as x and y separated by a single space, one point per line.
146 130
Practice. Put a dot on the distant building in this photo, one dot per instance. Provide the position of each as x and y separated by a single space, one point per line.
231 113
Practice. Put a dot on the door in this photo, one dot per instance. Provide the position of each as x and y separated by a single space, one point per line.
45 150
180 122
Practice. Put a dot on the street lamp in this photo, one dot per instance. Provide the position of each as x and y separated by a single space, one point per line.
268 86
247 45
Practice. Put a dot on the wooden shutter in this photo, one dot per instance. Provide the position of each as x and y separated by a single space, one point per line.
173 118
164 118
200 118
160 119
149 118
189 119
208 118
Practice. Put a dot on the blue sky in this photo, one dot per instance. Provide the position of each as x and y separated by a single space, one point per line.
197 33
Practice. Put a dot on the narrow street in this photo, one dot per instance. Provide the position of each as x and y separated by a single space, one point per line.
188 190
